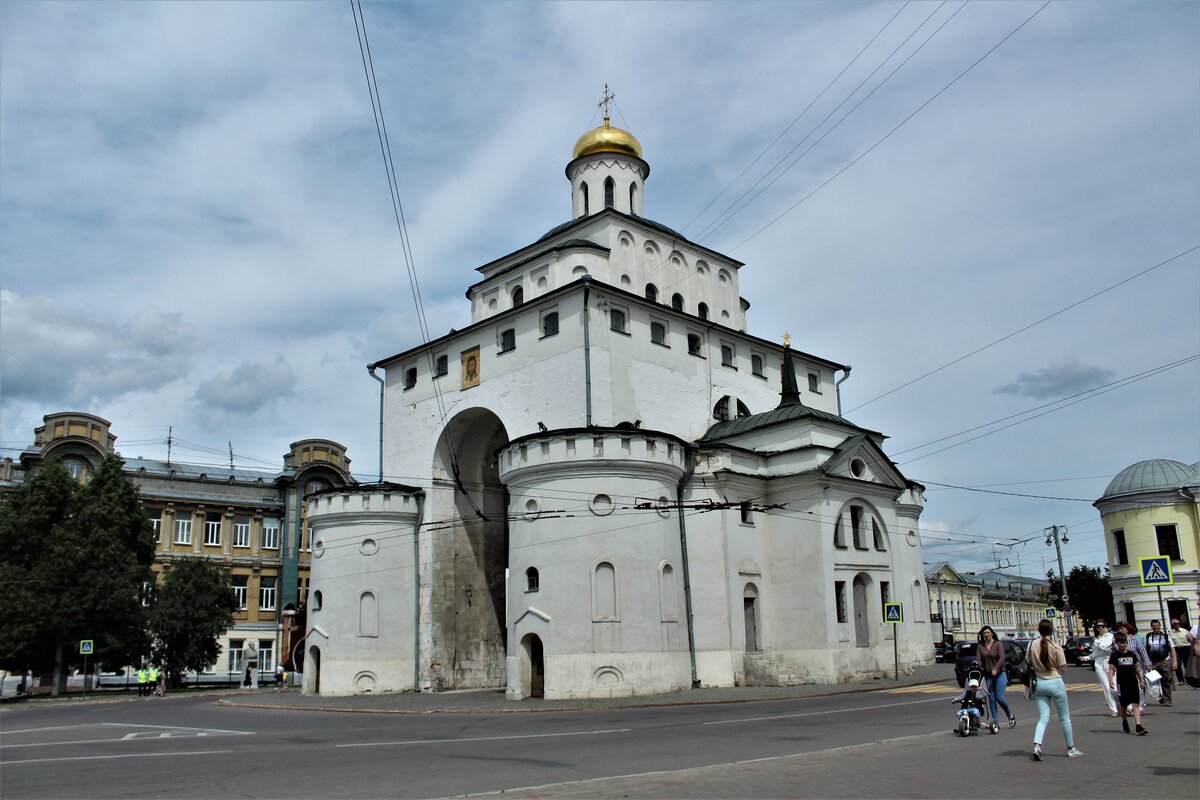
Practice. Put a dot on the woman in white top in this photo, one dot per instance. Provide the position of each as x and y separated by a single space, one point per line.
1102 647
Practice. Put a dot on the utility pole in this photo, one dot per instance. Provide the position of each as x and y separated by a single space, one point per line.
1057 535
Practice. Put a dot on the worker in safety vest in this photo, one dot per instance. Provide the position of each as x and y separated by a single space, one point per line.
143 686
154 686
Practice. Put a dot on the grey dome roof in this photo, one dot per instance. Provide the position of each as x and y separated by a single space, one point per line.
1148 476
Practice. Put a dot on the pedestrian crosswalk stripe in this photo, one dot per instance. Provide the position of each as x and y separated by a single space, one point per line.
942 688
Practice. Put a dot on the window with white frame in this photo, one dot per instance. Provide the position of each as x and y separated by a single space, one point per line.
270 535
239 591
183 527
241 531
212 530
235 655
266 593
155 518
266 655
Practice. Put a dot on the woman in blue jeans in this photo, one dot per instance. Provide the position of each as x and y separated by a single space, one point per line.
1047 661
990 654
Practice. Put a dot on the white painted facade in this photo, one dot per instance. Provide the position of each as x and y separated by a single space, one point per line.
580 442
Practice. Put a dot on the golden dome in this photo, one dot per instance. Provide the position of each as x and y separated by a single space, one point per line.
607 139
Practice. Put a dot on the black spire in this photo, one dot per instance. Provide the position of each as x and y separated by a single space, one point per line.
790 394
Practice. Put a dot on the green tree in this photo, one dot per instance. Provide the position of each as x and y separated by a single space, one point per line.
33 517
1091 595
73 560
193 608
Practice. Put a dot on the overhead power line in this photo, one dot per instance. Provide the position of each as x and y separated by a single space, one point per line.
1034 324
887 135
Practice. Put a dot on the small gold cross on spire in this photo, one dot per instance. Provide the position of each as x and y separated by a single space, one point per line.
605 101
787 339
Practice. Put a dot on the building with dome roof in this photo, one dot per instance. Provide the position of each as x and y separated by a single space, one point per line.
612 487
1150 509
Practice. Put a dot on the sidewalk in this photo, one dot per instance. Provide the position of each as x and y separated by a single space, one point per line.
486 701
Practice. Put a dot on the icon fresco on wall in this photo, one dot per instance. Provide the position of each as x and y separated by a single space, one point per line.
470 368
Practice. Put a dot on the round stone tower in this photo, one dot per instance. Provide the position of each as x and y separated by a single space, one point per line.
595 587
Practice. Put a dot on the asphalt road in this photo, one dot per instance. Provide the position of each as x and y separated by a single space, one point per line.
873 744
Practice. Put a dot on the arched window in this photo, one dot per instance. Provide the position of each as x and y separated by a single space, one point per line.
368 615
616 320
695 344
609 190
550 324
702 311
658 333
742 410
531 579
666 592
316 604
726 355
604 592
677 301
877 534
651 292
633 198
518 296
756 365
584 193
721 409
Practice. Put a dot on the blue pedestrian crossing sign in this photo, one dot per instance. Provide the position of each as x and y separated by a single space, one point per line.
1156 571
1051 613
85 647
893 613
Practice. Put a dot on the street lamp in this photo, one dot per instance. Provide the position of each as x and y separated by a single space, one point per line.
1057 535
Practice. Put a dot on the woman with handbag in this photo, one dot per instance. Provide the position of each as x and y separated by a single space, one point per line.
1048 662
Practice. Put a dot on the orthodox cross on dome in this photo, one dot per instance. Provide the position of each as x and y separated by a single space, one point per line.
605 101
787 339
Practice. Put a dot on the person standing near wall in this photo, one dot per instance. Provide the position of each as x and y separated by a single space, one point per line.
1179 642
1048 662
1102 647
1162 658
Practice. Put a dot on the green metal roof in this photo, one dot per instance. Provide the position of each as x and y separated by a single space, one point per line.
778 416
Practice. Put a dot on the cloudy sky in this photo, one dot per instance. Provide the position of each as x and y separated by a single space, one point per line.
195 228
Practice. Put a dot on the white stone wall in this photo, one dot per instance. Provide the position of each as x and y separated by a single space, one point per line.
362 545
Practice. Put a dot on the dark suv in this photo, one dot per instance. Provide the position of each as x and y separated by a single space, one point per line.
1078 651
943 651
1014 654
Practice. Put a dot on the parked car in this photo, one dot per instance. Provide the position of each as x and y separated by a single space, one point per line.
943 651
1078 650
1014 654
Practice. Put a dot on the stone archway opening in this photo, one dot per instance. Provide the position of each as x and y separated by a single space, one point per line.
314 669
750 614
468 506
533 666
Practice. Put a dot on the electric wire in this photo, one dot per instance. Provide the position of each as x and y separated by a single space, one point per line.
888 135
1033 324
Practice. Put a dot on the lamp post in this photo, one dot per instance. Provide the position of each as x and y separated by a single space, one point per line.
1057 535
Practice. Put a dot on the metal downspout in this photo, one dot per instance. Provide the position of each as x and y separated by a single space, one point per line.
382 385
838 388
417 593
689 469
587 350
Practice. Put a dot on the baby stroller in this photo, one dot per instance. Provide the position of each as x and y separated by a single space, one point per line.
973 713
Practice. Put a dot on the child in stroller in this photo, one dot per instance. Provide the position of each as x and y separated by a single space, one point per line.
972 706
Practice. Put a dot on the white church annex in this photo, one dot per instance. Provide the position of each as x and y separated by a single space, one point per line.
625 492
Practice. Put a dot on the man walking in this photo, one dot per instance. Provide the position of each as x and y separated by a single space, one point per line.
1183 651
1162 658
